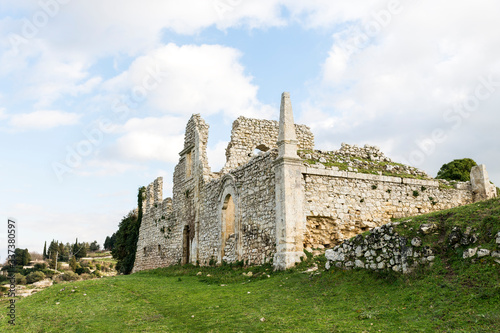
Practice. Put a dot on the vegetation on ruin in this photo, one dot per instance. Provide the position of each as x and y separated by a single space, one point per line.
454 295
361 165
456 170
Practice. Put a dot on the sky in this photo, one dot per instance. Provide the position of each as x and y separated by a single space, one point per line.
95 95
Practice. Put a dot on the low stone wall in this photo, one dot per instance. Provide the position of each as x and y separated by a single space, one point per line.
341 204
384 249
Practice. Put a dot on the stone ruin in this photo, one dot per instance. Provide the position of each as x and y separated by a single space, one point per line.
276 196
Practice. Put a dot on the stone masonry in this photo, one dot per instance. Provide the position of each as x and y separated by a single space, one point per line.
276 196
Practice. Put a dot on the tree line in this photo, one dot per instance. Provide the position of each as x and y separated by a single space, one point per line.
123 243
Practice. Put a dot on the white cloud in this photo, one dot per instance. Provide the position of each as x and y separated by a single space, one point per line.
394 90
217 155
151 138
43 120
191 79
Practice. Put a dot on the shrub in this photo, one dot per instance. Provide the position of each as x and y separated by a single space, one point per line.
68 276
40 266
86 276
20 279
35 277
82 270
98 267
457 170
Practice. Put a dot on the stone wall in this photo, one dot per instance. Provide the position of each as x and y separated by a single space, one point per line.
249 134
252 189
340 205
154 246
384 249
272 204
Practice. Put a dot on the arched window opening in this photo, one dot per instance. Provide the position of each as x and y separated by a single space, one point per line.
228 216
260 149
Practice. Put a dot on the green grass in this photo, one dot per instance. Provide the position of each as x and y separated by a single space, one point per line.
482 218
454 295
177 300
98 254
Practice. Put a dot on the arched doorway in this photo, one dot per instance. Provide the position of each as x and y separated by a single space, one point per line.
185 245
228 232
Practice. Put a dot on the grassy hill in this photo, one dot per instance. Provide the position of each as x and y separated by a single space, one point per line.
455 295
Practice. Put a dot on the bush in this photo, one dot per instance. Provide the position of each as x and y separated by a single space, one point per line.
98 267
82 270
96 273
48 273
86 276
20 279
40 266
35 277
457 170
68 276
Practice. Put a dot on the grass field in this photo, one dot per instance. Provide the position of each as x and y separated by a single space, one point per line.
454 295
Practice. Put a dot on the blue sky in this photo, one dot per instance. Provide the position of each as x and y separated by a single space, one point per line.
94 96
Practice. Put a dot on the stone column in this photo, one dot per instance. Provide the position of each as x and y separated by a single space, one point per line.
482 189
289 192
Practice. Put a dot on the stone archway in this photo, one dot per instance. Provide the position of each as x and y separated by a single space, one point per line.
230 224
185 246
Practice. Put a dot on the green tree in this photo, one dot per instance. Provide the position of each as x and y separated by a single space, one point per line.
79 250
457 170
94 246
72 263
62 253
45 250
23 257
126 238
109 243
53 249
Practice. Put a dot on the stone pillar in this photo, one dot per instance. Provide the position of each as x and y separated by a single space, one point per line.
289 192
482 189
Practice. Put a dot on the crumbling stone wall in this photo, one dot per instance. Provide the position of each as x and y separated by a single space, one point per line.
252 189
340 205
249 134
154 246
281 202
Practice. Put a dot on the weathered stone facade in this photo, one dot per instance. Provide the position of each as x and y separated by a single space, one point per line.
276 196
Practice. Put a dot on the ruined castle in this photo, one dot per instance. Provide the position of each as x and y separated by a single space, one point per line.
276 196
